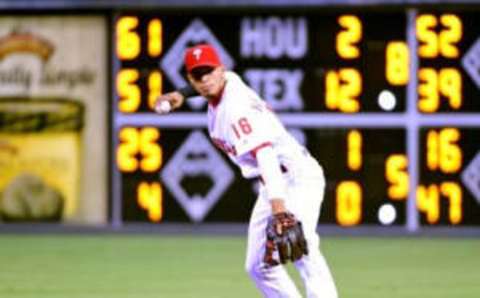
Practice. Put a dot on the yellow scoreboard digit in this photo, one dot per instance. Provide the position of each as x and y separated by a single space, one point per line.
447 71
445 194
139 151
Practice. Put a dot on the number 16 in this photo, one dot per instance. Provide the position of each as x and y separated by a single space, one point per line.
244 126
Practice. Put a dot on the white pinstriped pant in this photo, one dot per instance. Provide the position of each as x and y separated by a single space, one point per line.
305 196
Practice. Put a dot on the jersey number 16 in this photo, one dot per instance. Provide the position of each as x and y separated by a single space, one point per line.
242 127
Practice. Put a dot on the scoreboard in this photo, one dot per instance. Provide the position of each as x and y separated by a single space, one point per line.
388 101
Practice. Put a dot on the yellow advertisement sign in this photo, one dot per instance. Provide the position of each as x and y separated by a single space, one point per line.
53 110
40 158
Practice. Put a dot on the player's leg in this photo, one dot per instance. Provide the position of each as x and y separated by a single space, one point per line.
274 281
306 200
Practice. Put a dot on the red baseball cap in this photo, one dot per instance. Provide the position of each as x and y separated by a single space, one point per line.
201 55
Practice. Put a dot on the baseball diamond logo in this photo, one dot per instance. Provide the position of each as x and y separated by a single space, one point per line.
172 63
471 62
194 159
471 177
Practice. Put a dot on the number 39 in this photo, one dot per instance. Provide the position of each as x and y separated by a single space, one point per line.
242 127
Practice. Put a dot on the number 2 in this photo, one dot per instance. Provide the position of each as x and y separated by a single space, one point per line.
244 126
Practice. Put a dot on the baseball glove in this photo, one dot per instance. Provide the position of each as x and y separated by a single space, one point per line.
285 238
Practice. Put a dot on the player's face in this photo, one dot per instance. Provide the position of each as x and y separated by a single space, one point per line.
208 81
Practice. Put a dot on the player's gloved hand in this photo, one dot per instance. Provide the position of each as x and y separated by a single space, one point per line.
285 235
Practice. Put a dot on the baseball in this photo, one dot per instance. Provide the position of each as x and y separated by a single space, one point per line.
164 107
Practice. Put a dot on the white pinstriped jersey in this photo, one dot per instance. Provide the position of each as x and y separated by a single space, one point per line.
241 122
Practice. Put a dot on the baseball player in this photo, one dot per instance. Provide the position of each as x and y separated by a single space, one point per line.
283 222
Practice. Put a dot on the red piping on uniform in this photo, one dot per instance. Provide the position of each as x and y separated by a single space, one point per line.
254 151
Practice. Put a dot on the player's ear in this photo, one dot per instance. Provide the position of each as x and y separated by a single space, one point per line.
190 78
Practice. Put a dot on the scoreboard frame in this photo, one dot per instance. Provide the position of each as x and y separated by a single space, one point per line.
410 119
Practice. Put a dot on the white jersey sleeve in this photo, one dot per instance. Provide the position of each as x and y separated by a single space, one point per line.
241 124
271 174
247 129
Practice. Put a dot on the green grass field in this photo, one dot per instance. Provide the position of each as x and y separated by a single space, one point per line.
148 266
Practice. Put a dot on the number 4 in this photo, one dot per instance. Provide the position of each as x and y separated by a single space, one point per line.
244 126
